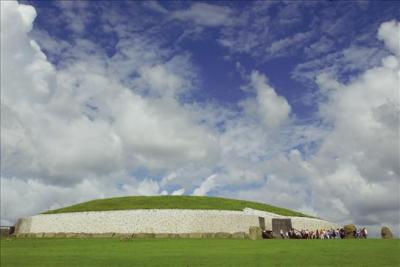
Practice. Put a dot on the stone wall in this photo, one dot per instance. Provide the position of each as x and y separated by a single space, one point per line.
312 224
157 221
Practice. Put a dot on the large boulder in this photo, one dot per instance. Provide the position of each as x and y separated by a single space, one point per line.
4 232
255 233
386 233
349 231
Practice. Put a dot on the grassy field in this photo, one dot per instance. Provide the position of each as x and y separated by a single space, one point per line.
200 252
173 202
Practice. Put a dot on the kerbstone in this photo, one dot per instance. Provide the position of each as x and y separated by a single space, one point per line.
195 235
223 235
143 235
61 235
208 235
255 233
183 235
239 235
162 236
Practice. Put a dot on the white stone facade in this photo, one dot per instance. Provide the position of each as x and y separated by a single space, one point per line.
159 221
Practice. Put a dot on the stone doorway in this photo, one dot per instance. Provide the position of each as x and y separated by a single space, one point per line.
278 224
261 222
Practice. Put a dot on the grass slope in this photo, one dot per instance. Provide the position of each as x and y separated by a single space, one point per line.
173 202
201 252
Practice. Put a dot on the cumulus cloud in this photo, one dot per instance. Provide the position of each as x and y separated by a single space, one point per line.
206 186
360 153
389 33
83 123
38 197
178 192
76 124
273 109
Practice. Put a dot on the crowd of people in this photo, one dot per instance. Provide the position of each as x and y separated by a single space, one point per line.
322 234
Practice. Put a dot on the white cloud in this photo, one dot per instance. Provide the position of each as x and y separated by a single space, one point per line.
23 198
155 6
206 186
75 15
163 81
28 14
342 64
205 15
389 32
81 121
178 192
273 109
284 46
357 163
146 187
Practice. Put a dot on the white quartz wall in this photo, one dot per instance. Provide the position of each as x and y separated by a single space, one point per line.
158 221
142 221
311 224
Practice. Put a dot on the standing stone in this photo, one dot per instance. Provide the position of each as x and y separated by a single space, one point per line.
4 232
349 231
255 233
386 233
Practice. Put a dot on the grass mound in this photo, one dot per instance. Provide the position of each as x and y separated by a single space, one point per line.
173 202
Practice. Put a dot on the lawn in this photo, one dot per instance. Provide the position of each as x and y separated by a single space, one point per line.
173 202
198 252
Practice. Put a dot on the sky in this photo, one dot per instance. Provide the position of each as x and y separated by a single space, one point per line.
295 104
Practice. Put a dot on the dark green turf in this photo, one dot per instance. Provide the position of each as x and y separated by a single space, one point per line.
173 202
191 252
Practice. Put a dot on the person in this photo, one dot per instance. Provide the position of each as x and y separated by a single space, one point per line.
364 233
306 234
281 233
291 233
341 233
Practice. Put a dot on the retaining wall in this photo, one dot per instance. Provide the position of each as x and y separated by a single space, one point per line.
157 221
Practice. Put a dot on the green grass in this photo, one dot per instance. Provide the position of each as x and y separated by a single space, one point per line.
173 202
201 252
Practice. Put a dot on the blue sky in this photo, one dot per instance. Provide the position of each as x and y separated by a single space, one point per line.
306 31
271 101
